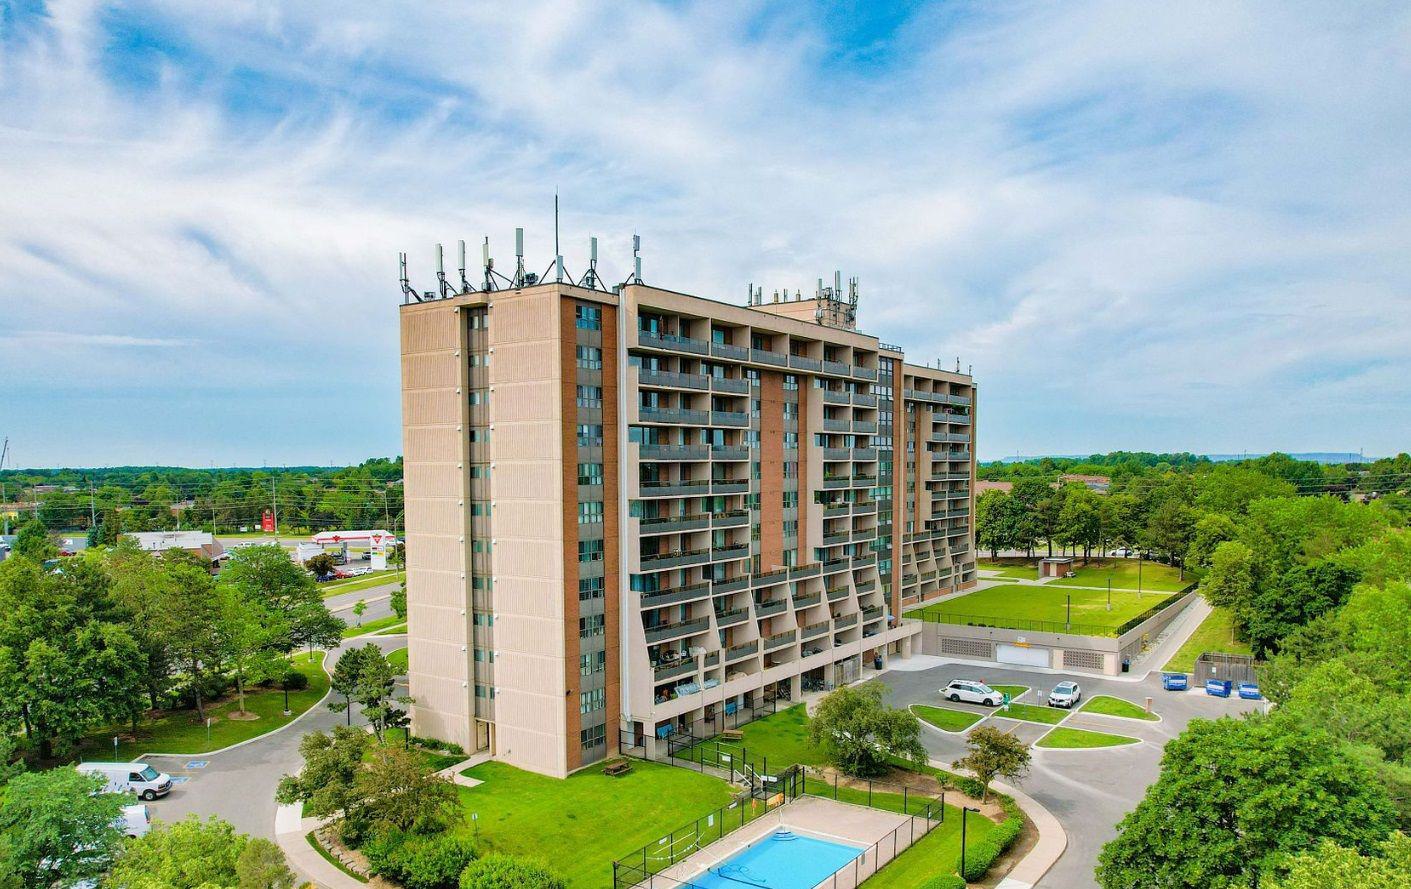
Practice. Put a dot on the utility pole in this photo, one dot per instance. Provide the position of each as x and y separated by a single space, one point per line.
274 504
92 509
4 450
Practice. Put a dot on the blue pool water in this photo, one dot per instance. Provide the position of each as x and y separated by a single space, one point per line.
782 860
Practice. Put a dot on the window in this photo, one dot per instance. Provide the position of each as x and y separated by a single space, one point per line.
590 512
589 396
485 691
588 317
791 441
592 662
590 358
479 396
590 588
590 550
590 473
791 499
592 701
590 435
593 736
483 619
791 409
791 383
590 626
479 319
479 508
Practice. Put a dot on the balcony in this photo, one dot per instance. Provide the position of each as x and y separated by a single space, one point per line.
865 507
727 350
674 452
866 587
729 486
863 561
725 384
764 356
674 415
959 400
837 593
841 509
736 652
769 579
842 623
833 482
833 566
730 452
953 437
672 524
962 419
712 658
835 539
864 373
676 596
728 418
830 425
864 455
865 427
734 584
679 559
725 553
837 453
836 368
673 343
736 518
676 488
956 455
871 614
803 362
803 572
864 481
671 671
779 640
672 380
770 607
808 599
862 535
862 399
731 618
812 631
678 630
832 397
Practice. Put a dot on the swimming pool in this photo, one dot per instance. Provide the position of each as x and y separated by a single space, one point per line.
782 860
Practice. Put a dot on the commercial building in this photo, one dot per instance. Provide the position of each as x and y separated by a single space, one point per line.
631 511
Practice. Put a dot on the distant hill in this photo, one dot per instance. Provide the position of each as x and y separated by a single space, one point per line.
1311 456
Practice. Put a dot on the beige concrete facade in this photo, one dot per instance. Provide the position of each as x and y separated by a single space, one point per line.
632 514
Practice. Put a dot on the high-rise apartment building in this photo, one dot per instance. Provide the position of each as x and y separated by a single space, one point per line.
631 511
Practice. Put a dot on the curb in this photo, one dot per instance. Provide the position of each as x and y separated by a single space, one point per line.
1053 841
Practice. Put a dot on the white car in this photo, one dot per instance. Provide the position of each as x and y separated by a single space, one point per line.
972 692
1065 694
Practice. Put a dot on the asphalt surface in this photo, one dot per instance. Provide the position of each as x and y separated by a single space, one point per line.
1088 791
238 785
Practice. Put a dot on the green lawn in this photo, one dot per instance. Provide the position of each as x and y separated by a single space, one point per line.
398 659
182 732
780 738
936 853
580 824
1079 739
1019 603
1123 574
369 626
1014 569
1030 713
1110 706
435 759
328 856
1013 691
947 719
393 630
1215 633
364 582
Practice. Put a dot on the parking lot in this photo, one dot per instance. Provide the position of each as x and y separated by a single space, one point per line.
1087 790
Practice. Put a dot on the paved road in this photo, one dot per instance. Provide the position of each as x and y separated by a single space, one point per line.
238 785
1088 791
378 601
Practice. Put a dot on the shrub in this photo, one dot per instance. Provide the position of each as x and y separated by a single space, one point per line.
294 680
419 862
982 855
944 881
507 872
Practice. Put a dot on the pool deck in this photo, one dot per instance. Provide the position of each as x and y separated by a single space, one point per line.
812 816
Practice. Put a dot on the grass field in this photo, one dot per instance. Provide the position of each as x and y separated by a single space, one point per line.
936 853
581 823
364 582
1110 706
1031 713
1013 691
369 626
945 718
1079 739
398 659
1017 603
1123 574
182 732
393 630
1215 633
1013 569
781 738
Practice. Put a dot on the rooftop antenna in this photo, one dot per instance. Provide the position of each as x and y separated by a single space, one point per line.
957 364
590 277
444 285
519 258
408 294
489 265
558 257
465 284
636 259
852 302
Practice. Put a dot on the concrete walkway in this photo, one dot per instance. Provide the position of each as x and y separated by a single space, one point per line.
1053 840
290 830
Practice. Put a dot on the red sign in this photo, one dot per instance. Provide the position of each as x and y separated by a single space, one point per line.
267 522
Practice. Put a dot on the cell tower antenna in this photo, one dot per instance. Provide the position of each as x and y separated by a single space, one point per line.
519 258
465 284
590 277
558 257
407 290
442 283
636 259
489 263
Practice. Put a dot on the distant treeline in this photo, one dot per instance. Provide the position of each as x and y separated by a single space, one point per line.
160 498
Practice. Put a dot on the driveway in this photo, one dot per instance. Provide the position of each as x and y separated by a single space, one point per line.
238 784
1088 791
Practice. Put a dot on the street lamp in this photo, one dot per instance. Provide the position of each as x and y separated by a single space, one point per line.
964 810
1068 621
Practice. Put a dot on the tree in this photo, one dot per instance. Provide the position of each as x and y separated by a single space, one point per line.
1210 531
500 871
57 828
1168 530
398 791
1229 489
266 574
359 609
332 763
251 638
261 865
1235 798
1080 520
997 521
857 732
1331 866
196 854
399 601
32 542
373 690
320 565
993 754
344 681
1230 582
1302 593
187 617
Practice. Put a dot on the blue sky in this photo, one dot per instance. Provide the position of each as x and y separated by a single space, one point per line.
1178 226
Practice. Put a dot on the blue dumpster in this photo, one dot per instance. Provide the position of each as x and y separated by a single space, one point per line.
1219 688
1174 681
1250 691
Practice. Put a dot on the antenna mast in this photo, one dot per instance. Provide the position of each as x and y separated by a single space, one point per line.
4 452
444 285
407 290
465 285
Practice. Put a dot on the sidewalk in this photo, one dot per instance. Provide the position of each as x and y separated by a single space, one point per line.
290 829
1053 840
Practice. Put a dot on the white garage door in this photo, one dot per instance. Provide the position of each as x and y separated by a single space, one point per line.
1014 654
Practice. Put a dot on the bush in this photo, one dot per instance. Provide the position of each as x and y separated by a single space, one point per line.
507 872
944 881
294 680
419 862
982 855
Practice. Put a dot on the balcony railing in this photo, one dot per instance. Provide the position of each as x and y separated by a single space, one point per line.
807 600
803 362
729 486
672 524
735 652
832 397
840 509
731 618
675 488
833 482
866 427
962 419
764 356
779 640
728 350
672 342
674 452
728 418
674 415
769 607
836 368
845 621
733 519
864 507
871 614
730 452
864 455
833 566
831 425
675 596
726 384
671 671
862 399
733 584
866 586
675 559
770 578
813 631
864 373
672 379
803 572
663 632
726 553
837 593
837 453
834 539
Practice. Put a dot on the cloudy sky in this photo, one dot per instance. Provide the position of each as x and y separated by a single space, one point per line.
1163 227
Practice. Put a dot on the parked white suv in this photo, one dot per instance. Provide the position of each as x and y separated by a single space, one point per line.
1065 694
972 692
